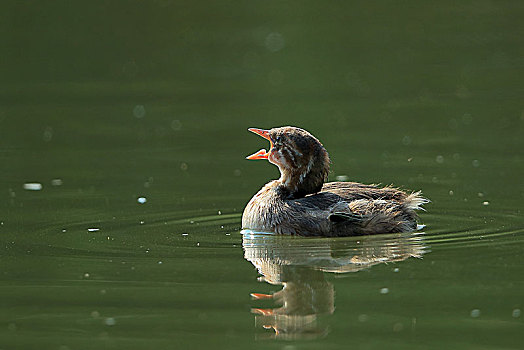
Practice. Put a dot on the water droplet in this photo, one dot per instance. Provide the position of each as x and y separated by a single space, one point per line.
440 159
142 200
64 230
32 186
86 275
139 111
160 263
451 193
110 321
56 182
475 313
363 318
274 42
384 290
198 244
176 125
516 313
219 212
94 229
48 134
485 203
397 327
396 269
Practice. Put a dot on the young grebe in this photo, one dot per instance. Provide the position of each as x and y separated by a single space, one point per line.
300 203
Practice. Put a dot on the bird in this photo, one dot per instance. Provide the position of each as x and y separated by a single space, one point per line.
301 203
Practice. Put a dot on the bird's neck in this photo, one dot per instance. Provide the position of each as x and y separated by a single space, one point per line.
294 184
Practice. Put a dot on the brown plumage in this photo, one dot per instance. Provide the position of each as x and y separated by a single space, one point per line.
300 203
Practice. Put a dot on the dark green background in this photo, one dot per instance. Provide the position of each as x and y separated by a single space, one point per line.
122 99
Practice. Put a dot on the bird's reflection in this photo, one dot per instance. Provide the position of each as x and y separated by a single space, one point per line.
299 265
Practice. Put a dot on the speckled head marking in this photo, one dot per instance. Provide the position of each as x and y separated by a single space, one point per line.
301 158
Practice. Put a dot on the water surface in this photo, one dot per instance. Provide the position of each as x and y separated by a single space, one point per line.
122 144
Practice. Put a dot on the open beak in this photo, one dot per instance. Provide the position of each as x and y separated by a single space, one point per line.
262 154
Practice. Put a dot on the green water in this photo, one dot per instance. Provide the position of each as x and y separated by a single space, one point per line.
107 105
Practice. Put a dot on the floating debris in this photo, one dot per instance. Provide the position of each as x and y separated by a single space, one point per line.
94 229
32 186
475 313
141 200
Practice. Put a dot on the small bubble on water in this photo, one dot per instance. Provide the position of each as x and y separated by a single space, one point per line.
198 244
103 291
93 229
11 327
183 166
95 314
475 313
274 42
48 134
480 194
56 182
397 327
485 203
456 156
86 275
396 269
228 234
185 234
142 222
176 125
142 200
434 179
219 212
64 230
160 263
237 172
406 140
32 186
384 290
363 318
439 159
451 193
139 111
342 178
110 321
475 163
516 313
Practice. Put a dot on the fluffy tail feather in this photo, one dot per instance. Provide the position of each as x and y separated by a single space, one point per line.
415 201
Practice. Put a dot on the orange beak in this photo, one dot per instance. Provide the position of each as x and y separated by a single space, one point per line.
262 154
